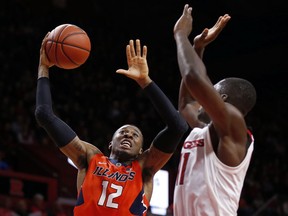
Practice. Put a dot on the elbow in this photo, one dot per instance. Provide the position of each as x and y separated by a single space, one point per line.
44 115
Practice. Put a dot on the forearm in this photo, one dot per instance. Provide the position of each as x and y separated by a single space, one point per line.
58 130
199 51
188 106
184 97
188 60
162 104
175 124
43 71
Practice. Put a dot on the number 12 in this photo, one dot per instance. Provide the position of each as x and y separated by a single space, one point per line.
111 196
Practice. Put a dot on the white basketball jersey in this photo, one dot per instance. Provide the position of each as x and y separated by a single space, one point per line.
204 185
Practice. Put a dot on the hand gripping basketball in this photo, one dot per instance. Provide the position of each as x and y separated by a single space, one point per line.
68 46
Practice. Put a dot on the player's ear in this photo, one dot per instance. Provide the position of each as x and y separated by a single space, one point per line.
140 151
110 145
224 97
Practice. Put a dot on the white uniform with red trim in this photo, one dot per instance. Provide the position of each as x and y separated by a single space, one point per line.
204 185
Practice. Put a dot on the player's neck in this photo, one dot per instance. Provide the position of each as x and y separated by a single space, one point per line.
118 162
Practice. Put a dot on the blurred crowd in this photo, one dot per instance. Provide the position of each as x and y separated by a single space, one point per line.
95 101
34 207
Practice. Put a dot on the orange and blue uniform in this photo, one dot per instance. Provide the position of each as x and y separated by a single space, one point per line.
112 188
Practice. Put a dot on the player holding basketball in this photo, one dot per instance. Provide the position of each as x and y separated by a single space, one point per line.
216 154
122 183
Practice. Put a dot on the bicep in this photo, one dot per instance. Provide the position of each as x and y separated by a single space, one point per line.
79 152
152 160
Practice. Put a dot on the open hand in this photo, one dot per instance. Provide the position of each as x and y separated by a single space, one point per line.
209 35
137 63
184 23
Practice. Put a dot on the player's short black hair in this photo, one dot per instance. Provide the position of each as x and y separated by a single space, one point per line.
241 93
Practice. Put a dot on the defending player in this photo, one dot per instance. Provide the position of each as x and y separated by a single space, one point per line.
216 154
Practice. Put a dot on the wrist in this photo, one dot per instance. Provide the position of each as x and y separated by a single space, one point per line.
43 71
180 34
199 50
144 82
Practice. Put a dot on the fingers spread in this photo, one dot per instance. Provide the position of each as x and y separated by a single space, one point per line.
204 33
128 51
144 52
138 47
132 49
122 71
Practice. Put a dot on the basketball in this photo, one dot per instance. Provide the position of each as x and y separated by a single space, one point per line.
68 46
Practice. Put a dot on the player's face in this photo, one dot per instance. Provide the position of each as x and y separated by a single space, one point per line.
127 143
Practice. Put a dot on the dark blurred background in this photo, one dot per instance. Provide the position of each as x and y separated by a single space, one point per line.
95 101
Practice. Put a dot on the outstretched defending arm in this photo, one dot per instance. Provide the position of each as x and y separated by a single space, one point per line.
187 105
194 74
168 139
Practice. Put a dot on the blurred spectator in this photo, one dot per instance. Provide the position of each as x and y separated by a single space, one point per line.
26 136
23 130
21 208
6 207
56 210
38 206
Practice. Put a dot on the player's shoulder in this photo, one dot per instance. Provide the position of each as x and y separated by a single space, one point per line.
91 151
91 148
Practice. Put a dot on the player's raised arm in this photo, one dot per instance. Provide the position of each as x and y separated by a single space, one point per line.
61 133
167 140
187 105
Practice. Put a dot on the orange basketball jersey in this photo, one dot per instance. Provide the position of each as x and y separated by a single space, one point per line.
111 188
